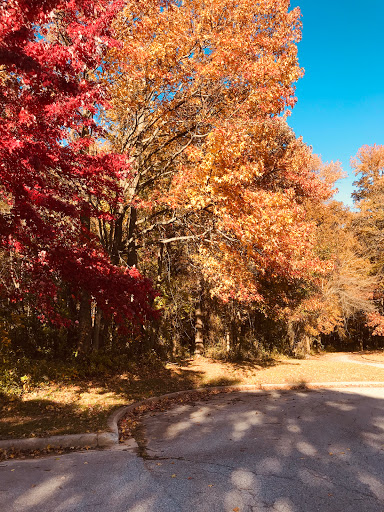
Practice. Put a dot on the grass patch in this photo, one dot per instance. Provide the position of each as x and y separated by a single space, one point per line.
82 405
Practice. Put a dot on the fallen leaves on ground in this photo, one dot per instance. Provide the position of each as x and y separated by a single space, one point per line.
32 454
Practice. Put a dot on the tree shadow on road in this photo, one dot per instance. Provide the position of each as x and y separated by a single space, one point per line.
286 451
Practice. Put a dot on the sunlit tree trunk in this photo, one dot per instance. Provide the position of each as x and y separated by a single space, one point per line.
199 339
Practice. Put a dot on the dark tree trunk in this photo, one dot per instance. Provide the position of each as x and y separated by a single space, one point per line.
97 330
85 316
85 324
104 331
117 244
132 249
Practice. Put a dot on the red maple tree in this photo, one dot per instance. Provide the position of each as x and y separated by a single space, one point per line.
50 52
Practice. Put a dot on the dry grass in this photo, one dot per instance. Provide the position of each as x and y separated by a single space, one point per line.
284 370
83 406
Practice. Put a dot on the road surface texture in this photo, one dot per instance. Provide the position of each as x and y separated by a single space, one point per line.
345 358
285 451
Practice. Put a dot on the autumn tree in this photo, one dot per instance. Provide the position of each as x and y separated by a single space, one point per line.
181 71
255 183
369 222
342 296
342 304
197 91
50 179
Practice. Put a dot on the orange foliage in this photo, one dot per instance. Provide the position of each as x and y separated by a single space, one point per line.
243 51
254 179
376 323
197 94
369 168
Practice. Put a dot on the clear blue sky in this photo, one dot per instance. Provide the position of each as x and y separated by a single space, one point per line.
340 103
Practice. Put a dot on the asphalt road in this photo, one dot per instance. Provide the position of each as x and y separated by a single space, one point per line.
281 451
346 358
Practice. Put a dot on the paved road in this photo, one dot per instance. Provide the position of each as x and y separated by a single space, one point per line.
348 359
243 452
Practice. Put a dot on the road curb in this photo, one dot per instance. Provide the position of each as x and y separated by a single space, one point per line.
91 440
111 436
117 415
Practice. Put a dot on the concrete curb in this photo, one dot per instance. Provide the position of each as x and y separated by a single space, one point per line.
117 415
92 440
111 436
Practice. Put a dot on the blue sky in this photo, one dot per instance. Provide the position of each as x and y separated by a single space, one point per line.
340 103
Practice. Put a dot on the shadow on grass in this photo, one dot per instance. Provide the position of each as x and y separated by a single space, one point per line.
68 406
263 364
41 417
223 381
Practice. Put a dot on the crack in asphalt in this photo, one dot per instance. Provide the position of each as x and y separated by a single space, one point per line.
225 466
338 484
228 467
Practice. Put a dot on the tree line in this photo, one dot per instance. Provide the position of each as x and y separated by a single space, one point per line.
154 197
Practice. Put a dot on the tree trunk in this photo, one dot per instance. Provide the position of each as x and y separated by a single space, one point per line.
85 324
117 244
85 315
227 342
132 249
160 254
96 330
291 338
199 339
104 331
306 346
234 331
175 344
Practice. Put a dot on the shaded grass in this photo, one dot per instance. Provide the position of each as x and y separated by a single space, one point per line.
80 405
62 407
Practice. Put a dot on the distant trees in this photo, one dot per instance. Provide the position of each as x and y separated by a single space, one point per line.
369 221
348 304
344 293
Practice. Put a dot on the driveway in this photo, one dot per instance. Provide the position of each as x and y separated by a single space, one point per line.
285 451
